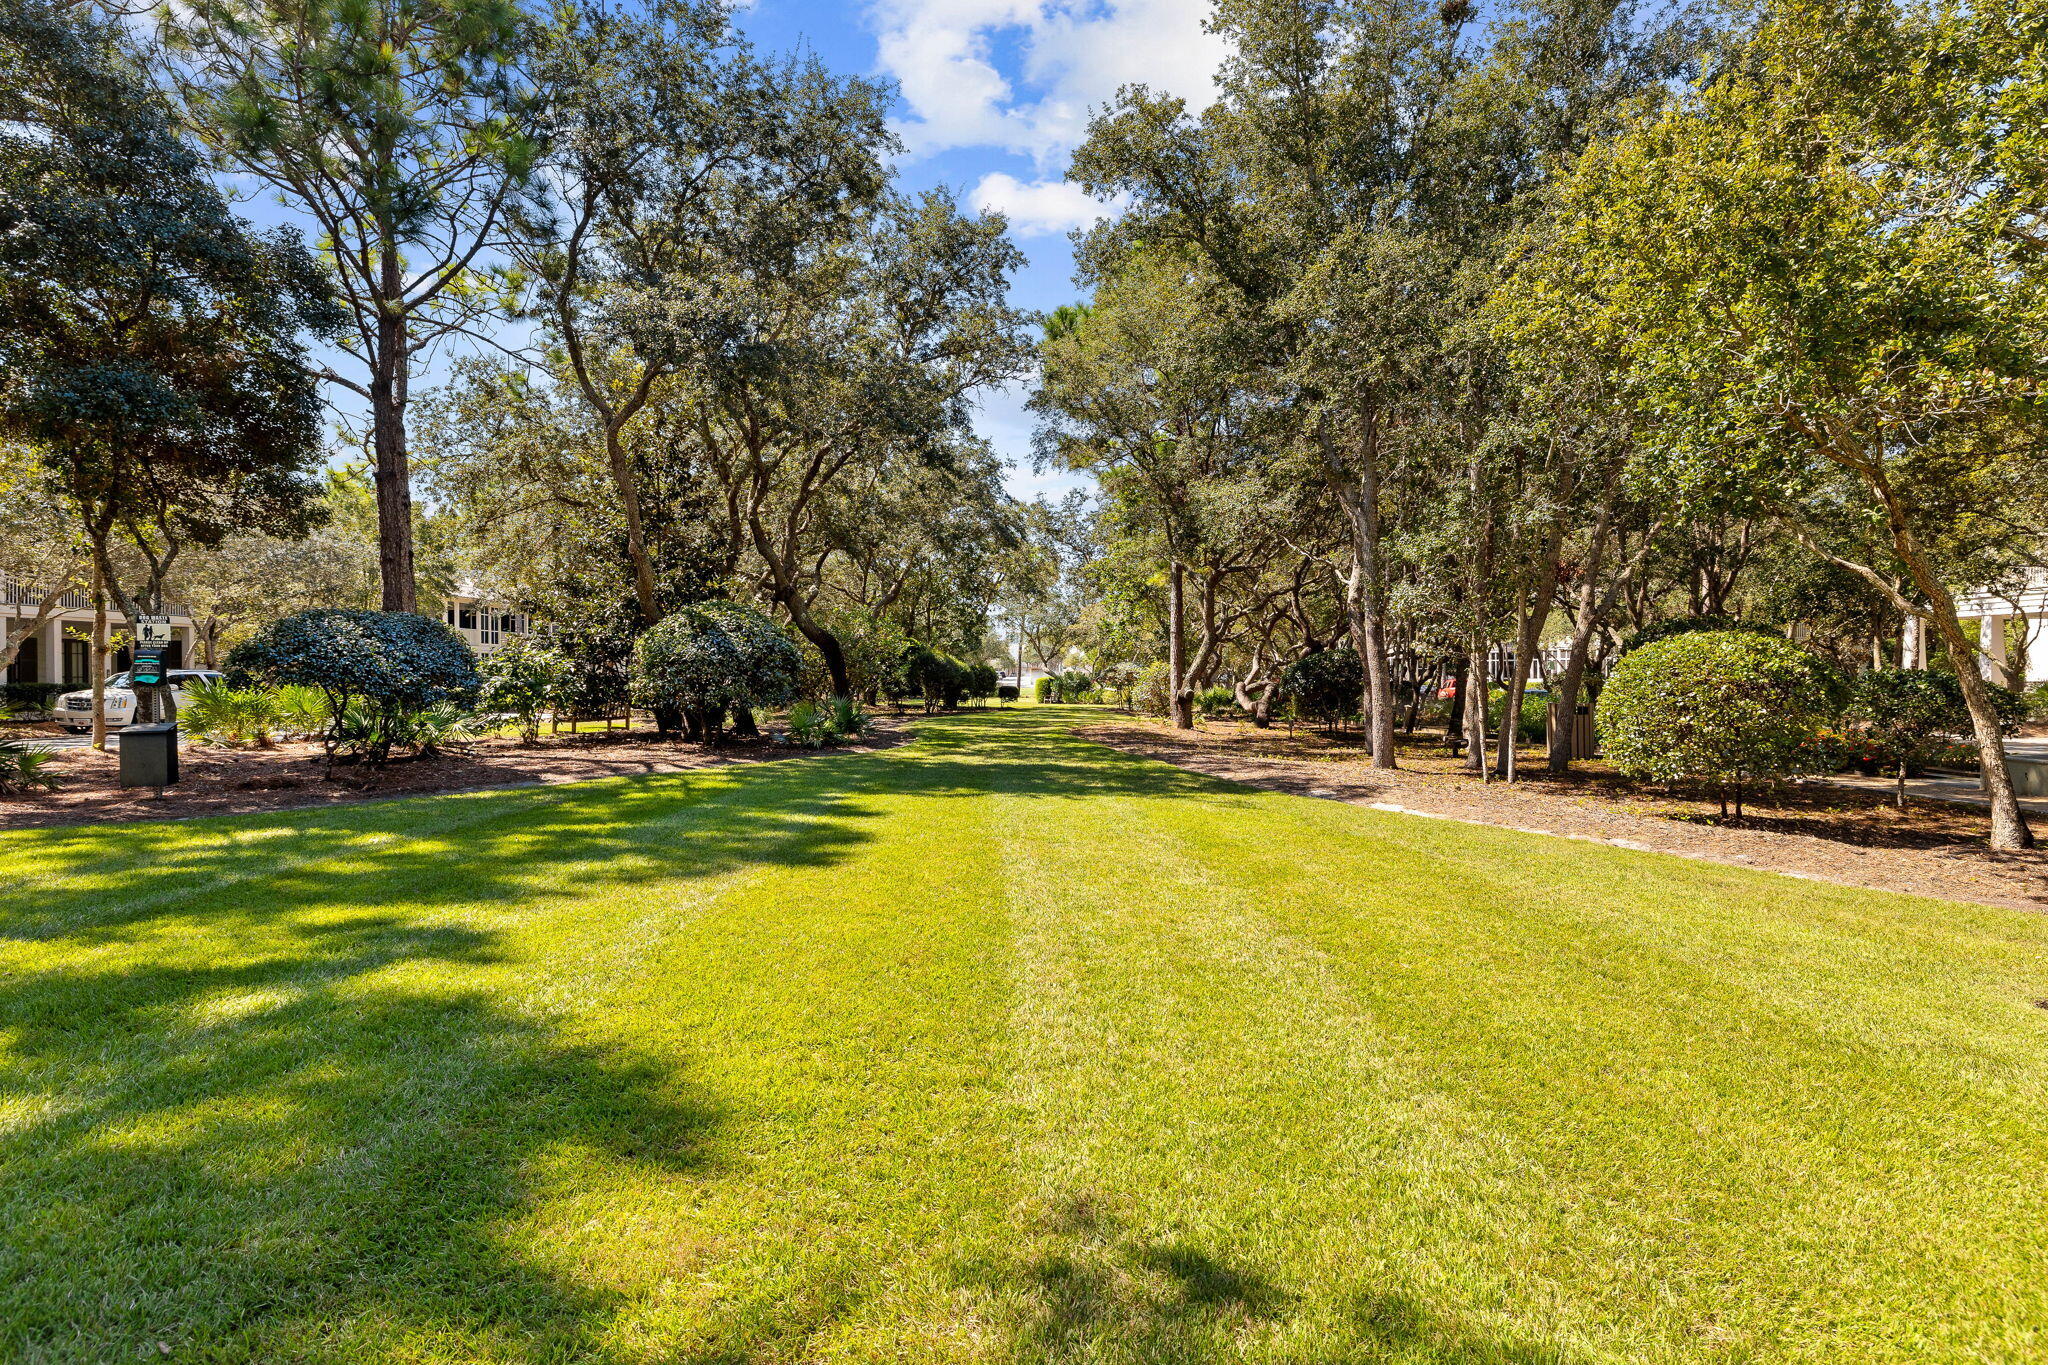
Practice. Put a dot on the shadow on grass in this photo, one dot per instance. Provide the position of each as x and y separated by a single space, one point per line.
202 1154
1104 1291
254 1097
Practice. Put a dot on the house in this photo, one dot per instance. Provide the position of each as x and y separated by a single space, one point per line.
59 653
2015 655
484 621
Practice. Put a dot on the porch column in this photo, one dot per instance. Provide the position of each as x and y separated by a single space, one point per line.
1997 659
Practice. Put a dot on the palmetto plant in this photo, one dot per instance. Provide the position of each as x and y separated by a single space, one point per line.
233 716
21 762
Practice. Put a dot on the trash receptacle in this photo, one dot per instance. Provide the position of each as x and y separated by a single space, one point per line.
149 755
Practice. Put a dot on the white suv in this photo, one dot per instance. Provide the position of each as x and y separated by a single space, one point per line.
73 710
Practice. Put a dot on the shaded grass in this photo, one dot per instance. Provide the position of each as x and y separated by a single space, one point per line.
999 1046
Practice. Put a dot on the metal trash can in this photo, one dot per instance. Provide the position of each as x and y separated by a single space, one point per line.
149 755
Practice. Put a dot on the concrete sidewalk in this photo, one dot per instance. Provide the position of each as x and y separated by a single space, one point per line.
1962 791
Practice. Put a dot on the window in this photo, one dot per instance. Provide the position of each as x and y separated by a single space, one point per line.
466 618
489 634
77 663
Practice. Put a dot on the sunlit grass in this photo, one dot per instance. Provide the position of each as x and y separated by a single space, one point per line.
996 1047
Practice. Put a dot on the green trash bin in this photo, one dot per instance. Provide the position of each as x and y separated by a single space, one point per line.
149 755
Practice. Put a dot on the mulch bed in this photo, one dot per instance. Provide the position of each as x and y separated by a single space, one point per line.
1835 834
295 776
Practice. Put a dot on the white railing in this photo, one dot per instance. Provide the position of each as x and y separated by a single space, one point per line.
14 593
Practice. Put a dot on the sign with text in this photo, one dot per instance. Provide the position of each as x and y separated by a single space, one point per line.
152 632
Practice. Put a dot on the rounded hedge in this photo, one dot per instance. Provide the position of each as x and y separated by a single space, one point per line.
1725 707
708 656
393 660
522 678
1326 687
377 670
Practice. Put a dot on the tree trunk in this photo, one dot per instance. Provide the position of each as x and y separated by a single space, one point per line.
393 471
1181 696
1365 589
1532 615
1476 697
1565 700
2009 831
100 651
636 536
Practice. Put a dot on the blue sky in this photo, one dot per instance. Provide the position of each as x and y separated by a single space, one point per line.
993 96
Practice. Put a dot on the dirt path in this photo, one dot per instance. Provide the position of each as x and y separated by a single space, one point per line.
1838 836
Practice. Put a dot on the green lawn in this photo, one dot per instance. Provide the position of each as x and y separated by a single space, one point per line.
999 1046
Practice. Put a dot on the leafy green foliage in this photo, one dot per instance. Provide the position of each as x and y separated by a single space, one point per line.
1118 681
1687 625
377 672
1212 702
1906 715
932 675
816 724
24 764
221 713
1723 707
706 658
29 696
521 678
1326 687
1152 692
153 341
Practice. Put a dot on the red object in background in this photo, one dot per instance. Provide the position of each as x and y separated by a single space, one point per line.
1447 692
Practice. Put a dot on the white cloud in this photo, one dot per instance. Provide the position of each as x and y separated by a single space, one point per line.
1071 56
1041 208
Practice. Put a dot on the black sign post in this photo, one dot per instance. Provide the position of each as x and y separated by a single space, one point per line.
149 753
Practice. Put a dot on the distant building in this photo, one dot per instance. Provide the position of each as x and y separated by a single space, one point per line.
484 621
2014 662
60 652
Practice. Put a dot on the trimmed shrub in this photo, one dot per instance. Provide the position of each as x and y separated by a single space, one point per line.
26 698
1152 692
933 676
521 679
1326 688
1118 682
1728 708
1006 693
981 682
1046 690
1690 625
376 672
710 657
1909 718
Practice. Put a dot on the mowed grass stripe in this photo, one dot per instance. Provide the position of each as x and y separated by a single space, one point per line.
1703 1094
397 998
1230 1163
819 1039
998 1047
